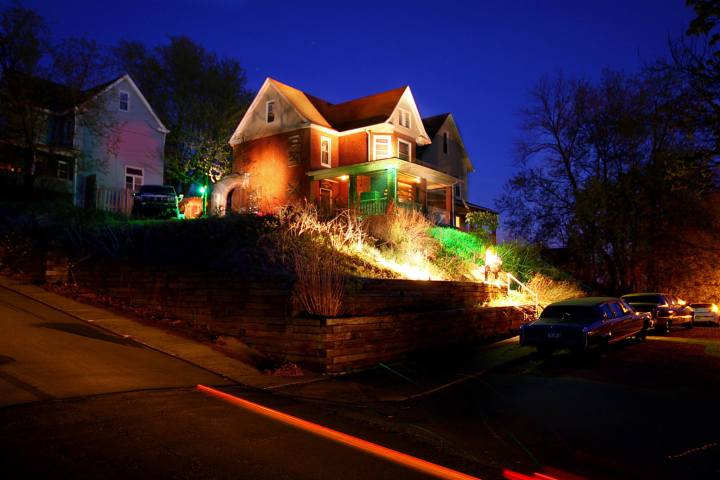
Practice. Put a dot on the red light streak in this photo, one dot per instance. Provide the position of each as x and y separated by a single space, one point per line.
343 438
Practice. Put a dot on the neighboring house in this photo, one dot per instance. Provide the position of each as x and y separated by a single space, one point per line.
97 154
365 154
447 153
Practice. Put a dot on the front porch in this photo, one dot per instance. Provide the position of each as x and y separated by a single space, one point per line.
371 188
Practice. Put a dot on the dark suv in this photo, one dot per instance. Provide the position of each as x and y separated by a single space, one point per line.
666 309
156 201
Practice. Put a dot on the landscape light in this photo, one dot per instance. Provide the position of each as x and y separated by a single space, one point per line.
202 189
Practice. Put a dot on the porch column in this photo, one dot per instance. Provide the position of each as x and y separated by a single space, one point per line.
352 192
392 184
450 204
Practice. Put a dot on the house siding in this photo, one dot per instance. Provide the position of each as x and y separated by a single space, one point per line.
272 176
134 141
354 148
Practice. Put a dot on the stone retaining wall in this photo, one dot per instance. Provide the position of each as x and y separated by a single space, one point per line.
382 319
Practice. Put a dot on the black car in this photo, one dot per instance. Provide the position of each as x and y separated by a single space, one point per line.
583 323
156 201
667 310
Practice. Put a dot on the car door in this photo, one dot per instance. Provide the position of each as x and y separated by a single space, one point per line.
623 323
608 323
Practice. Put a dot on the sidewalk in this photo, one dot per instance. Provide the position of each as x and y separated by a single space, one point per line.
418 376
187 349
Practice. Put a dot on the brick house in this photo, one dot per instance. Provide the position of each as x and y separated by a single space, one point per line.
364 154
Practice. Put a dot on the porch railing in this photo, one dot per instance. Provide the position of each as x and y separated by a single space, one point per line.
379 206
373 206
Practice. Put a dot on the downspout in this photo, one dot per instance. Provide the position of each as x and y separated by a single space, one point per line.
452 204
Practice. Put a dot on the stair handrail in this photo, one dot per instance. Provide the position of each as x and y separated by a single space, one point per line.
511 278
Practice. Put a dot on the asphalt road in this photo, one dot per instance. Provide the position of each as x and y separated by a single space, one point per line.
635 411
79 402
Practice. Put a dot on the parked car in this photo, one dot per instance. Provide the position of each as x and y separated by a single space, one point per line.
667 310
706 312
583 323
156 201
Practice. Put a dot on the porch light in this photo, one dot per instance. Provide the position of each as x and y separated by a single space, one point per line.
344 178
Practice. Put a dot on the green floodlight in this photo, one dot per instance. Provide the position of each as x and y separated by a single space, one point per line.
203 188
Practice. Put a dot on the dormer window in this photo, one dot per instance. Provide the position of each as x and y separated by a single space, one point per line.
404 118
124 101
270 111
445 143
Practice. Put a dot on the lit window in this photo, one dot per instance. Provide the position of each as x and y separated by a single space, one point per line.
381 147
445 143
62 169
458 221
133 178
270 111
124 101
404 118
403 150
325 151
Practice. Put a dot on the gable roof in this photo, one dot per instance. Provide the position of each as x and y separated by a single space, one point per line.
433 124
99 89
302 102
361 112
356 113
60 98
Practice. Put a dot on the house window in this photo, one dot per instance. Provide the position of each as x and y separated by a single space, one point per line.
458 222
325 151
62 169
133 178
445 143
403 150
381 147
124 101
404 118
270 111
68 131
294 150
456 190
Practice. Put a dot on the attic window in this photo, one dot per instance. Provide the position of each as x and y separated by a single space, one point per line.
270 111
404 118
124 101
445 143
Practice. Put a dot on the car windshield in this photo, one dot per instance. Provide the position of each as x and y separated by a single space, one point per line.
157 190
656 299
571 314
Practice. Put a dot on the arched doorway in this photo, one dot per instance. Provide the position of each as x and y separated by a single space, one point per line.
229 192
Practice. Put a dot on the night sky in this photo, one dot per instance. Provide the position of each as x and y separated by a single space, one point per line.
475 59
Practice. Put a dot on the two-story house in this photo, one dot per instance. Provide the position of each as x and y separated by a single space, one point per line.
96 146
366 155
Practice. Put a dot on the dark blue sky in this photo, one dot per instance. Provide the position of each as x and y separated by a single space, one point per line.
475 59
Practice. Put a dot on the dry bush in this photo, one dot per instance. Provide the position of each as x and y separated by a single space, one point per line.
547 289
319 282
550 290
405 231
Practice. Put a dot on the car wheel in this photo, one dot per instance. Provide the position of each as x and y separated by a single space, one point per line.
690 324
640 336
